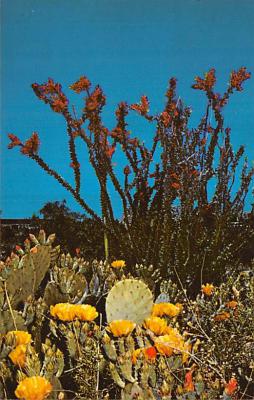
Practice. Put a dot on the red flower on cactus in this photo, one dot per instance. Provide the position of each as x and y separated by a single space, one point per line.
188 383
31 146
205 84
143 107
110 151
14 141
231 386
238 77
81 85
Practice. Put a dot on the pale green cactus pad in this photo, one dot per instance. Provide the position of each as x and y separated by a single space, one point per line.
129 299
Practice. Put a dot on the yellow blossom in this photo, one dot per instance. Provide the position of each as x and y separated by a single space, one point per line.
171 342
18 355
156 325
69 312
22 337
85 312
33 388
169 309
121 327
118 264
208 289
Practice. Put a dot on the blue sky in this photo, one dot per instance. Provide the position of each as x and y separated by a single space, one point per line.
130 48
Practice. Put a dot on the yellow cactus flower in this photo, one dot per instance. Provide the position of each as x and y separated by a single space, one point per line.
69 312
18 355
85 312
118 264
33 388
22 337
121 327
171 342
208 289
63 311
156 325
163 346
169 309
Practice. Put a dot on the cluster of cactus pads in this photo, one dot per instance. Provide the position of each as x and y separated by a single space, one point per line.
71 329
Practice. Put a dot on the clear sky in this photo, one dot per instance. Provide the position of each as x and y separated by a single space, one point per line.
129 47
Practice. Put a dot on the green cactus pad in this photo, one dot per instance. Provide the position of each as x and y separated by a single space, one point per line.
129 299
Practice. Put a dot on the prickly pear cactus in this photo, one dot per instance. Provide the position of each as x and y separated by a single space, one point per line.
129 299
23 274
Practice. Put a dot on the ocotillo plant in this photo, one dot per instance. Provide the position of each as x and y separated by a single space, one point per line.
172 217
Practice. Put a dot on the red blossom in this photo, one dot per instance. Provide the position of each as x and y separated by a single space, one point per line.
166 118
14 141
188 383
143 107
231 386
150 353
81 85
238 77
205 84
31 146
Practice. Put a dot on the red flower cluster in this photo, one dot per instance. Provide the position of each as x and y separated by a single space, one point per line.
51 93
205 84
96 100
81 85
31 146
143 107
238 77
231 386
14 141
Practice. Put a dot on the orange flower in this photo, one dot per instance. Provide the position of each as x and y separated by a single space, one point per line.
69 312
81 85
232 304
222 316
118 264
207 83
14 141
85 312
121 327
21 337
33 388
171 310
238 77
31 146
208 289
188 383
18 355
156 325
63 311
231 386
163 345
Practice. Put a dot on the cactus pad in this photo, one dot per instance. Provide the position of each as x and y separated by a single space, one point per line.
129 299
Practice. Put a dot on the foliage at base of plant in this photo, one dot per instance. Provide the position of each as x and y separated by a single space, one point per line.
92 331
